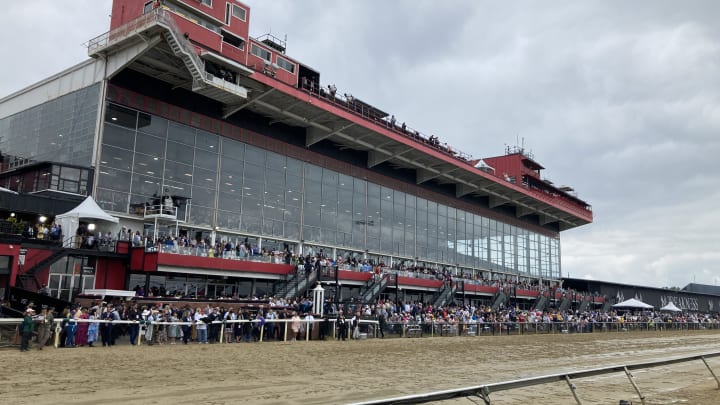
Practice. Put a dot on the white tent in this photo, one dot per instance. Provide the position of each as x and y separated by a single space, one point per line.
87 210
634 304
671 307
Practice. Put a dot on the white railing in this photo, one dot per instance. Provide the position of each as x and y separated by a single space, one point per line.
484 391
158 16
163 210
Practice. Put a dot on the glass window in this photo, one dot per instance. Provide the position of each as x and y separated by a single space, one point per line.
204 178
146 185
206 160
201 215
203 197
148 165
150 145
116 157
230 201
119 136
179 172
255 155
261 52
286 64
207 141
238 12
294 166
329 177
151 124
275 161
313 173
112 200
254 173
113 179
233 148
121 116
181 133
179 152
228 220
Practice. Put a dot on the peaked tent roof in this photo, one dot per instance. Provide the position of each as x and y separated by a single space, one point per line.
633 303
671 307
88 209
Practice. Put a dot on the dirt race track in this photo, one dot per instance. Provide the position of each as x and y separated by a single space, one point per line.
353 371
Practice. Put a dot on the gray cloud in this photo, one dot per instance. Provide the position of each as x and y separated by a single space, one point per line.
617 99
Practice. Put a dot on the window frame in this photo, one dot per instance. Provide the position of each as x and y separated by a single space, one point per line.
256 46
279 58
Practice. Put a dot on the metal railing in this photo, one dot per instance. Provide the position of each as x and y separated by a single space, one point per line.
484 391
158 16
452 329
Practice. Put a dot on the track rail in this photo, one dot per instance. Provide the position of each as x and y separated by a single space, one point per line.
484 391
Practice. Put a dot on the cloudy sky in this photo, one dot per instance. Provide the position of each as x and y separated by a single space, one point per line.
620 100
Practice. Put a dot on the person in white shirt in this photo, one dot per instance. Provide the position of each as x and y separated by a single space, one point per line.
201 326
310 319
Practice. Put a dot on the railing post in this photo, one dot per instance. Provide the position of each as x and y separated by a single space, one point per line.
573 388
632 381
711 371
484 394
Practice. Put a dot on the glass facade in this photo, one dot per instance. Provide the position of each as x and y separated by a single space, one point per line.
61 130
244 190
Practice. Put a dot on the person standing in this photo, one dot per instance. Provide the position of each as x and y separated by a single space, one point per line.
382 324
134 329
71 329
93 328
295 326
201 326
342 326
45 328
82 327
310 319
26 329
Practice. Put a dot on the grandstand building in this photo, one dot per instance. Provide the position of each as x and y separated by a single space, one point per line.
182 125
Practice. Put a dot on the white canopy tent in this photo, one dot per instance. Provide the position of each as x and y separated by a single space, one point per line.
632 303
671 307
87 210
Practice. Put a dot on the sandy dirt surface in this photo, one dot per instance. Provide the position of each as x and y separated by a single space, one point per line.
334 372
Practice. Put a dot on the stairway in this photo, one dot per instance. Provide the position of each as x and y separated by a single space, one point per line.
297 284
584 304
28 282
194 64
48 261
444 296
541 303
607 306
499 300
564 304
373 289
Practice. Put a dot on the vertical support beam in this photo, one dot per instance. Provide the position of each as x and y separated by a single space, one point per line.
484 394
711 371
573 389
632 381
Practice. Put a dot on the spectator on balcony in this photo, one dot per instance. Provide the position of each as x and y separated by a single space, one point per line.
137 239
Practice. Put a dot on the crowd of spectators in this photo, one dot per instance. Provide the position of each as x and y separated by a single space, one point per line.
274 319
351 103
